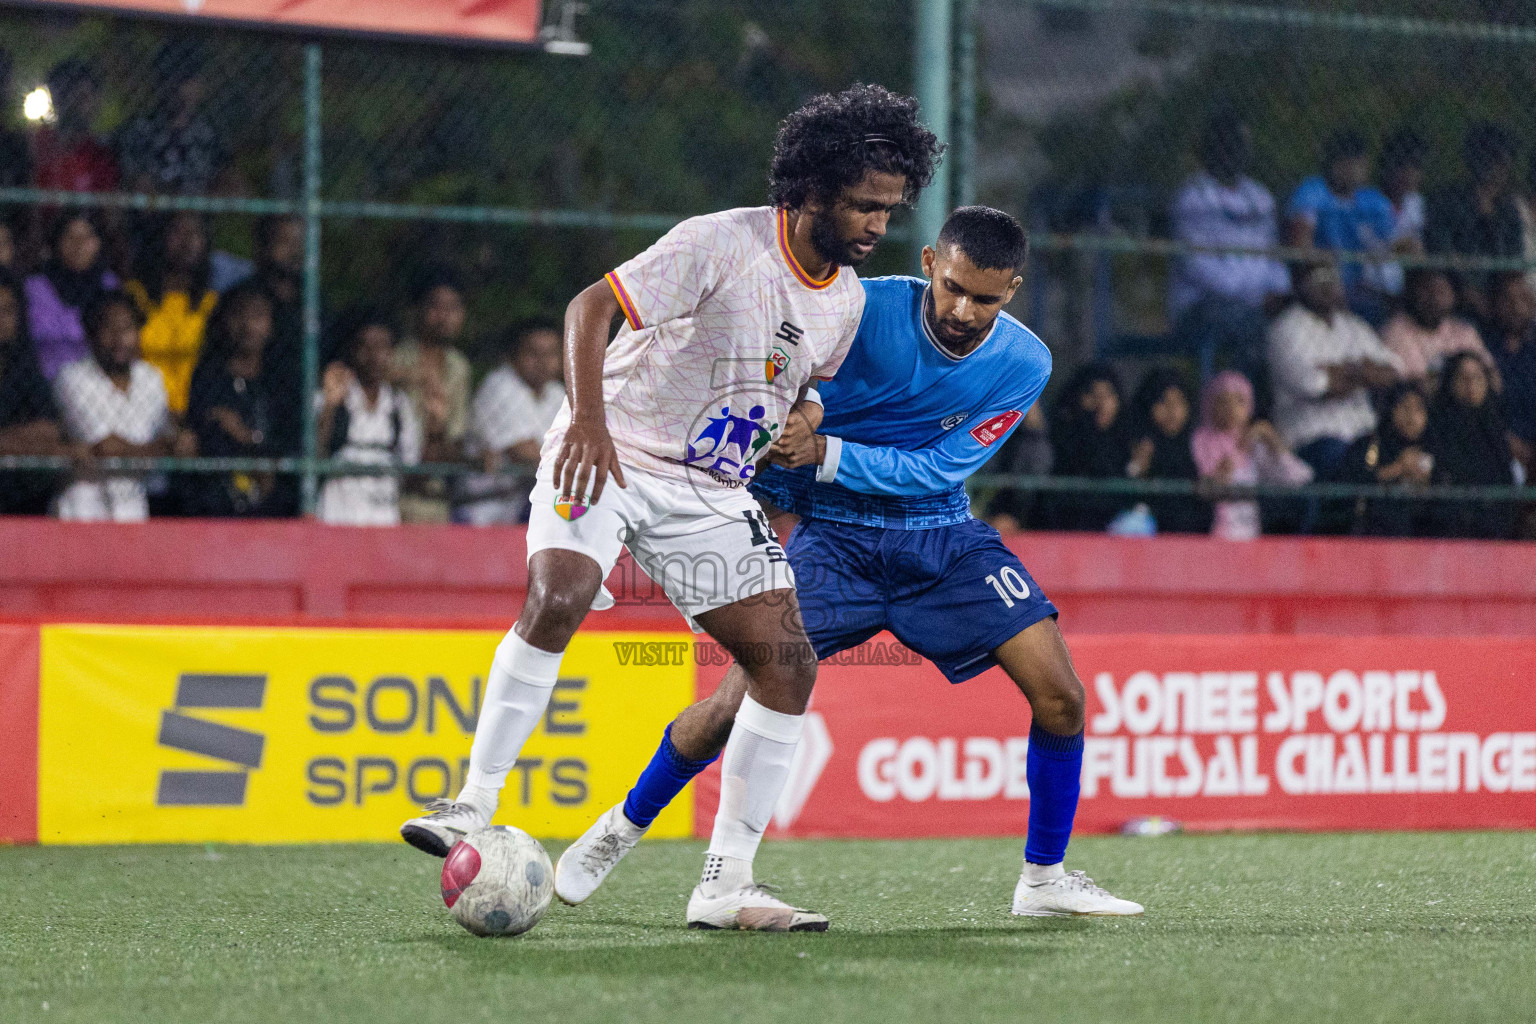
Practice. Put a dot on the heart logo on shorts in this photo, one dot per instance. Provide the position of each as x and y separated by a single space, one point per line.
570 507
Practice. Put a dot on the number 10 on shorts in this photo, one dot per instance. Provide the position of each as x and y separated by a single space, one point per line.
1014 582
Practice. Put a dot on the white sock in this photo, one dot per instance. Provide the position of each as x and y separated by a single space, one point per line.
753 772
516 692
1039 874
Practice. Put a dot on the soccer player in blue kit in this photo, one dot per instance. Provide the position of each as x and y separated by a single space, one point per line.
937 379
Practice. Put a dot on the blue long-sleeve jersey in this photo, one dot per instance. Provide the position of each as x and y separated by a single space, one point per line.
906 421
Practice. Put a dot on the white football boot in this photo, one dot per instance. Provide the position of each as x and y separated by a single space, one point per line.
727 897
587 861
1072 894
441 828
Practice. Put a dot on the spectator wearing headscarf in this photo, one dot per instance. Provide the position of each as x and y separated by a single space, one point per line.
232 412
1162 423
1229 447
1091 440
29 417
74 277
1470 450
1396 454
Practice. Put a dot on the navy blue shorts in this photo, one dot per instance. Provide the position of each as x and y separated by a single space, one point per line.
953 594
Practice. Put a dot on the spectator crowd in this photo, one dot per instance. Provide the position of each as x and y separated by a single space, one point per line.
164 358
1342 366
125 334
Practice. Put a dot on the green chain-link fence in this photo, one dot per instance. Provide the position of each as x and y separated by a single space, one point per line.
345 174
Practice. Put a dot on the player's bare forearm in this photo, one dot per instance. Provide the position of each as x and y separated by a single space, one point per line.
587 455
588 321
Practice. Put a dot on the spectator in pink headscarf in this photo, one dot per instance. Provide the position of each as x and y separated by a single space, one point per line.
1231 448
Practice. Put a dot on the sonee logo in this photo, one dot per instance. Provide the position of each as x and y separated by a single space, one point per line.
789 333
210 739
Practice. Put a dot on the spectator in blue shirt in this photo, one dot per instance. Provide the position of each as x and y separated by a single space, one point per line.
1339 211
1218 299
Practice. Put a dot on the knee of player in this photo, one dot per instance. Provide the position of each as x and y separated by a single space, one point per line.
800 673
1071 702
553 605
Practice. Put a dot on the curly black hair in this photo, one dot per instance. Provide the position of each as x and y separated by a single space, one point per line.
833 140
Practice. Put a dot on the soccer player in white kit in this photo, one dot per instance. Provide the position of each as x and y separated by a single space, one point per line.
729 319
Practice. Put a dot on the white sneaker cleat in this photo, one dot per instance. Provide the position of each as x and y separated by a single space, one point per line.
1070 895
441 828
753 908
587 861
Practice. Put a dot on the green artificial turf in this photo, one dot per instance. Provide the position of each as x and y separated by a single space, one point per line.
1398 927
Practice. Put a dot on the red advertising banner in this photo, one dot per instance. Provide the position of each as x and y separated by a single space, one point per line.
18 733
489 21
1213 732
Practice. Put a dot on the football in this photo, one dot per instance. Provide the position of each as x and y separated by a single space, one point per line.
498 881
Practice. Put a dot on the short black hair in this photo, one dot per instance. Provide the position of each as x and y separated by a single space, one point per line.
518 332
832 141
1485 146
1224 144
1345 145
347 329
990 238
1403 148
95 312
434 278
266 228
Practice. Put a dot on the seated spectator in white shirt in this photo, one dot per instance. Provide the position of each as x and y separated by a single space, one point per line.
1219 298
513 408
1323 363
1426 332
114 402
363 419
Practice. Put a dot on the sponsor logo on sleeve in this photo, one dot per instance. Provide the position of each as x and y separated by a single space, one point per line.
993 429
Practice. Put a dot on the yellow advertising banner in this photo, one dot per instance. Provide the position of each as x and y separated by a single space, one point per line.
181 734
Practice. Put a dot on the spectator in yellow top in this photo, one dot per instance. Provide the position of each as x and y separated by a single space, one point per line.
172 294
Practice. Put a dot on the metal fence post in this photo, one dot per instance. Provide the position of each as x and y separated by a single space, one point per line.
932 24
311 214
965 104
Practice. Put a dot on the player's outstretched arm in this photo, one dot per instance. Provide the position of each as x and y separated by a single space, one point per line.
891 471
587 455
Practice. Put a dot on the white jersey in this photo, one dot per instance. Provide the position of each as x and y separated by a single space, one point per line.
724 327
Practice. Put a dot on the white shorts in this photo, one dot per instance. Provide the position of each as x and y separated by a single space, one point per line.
706 548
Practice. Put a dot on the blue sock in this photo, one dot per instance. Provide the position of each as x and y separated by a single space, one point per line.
662 780
1054 769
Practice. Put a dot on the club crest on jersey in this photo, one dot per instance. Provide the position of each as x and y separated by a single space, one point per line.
951 422
730 445
776 364
570 507
990 431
